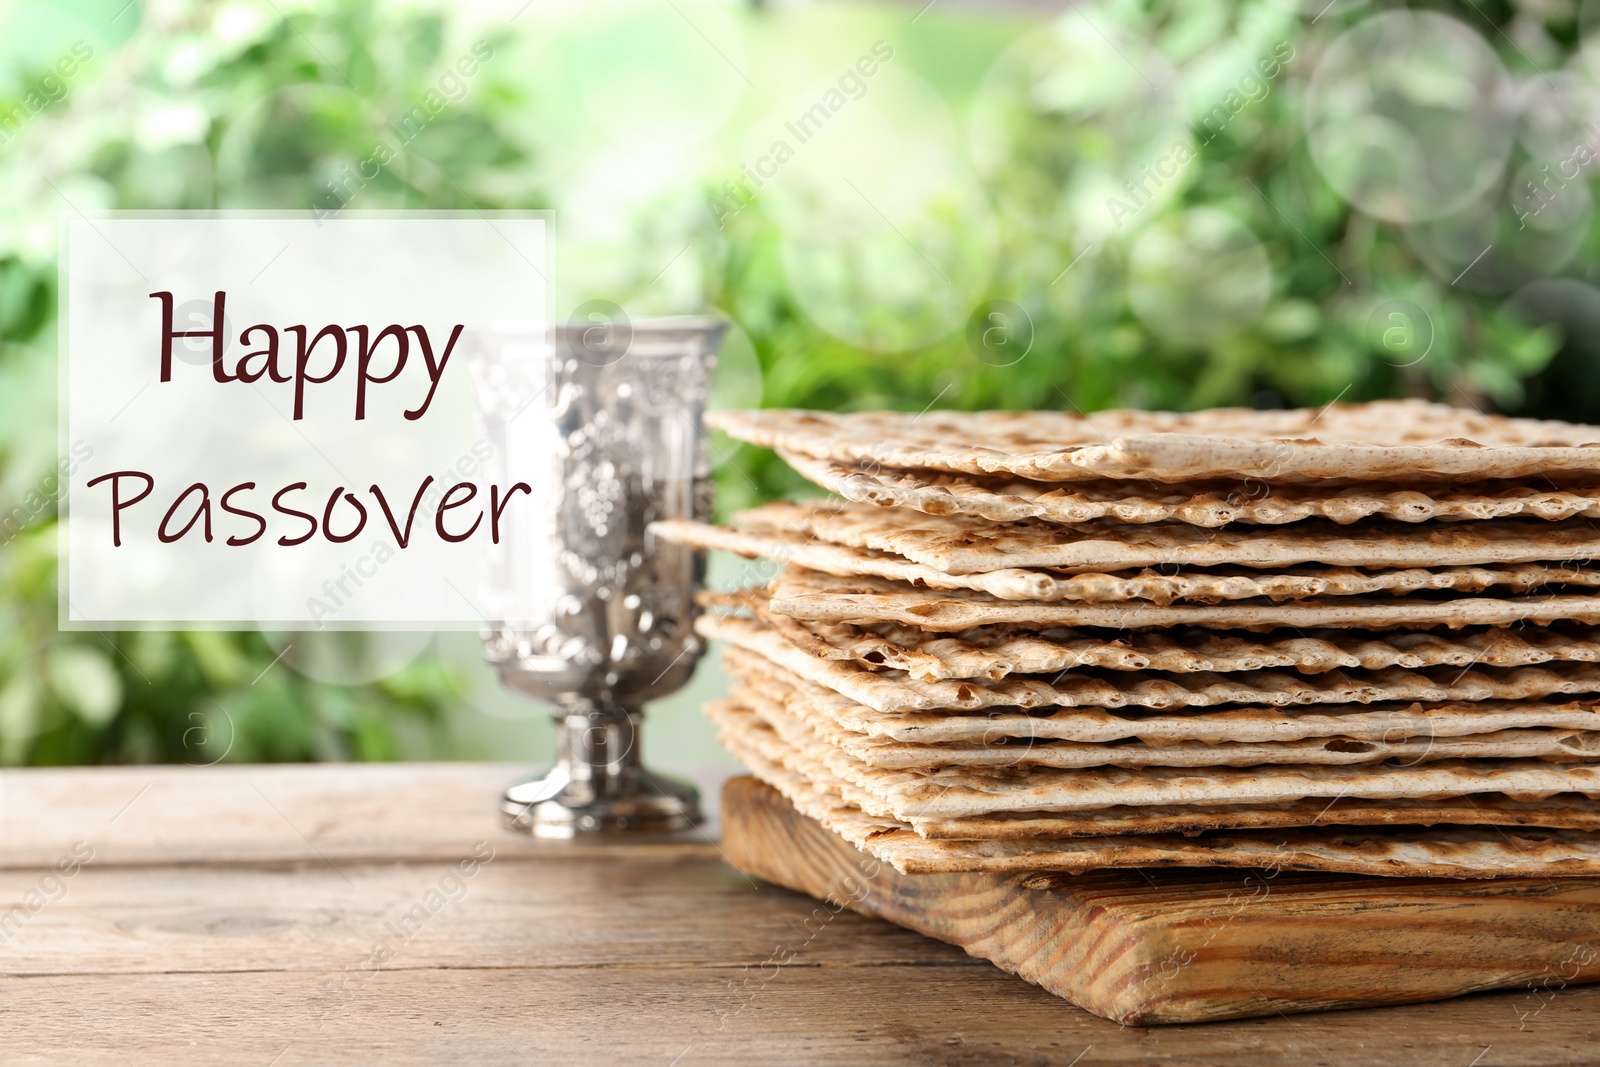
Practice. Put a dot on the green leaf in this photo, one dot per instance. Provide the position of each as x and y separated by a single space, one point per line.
219 659
84 680
19 715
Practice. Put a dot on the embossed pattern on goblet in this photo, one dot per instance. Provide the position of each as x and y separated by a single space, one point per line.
594 614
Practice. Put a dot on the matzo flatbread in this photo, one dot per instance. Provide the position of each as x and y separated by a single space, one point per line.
1075 689
962 792
818 597
1359 722
1208 505
1017 583
1566 812
961 544
739 725
743 733
1389 440
1557 746
1461 852
993 652
959 792
1432 852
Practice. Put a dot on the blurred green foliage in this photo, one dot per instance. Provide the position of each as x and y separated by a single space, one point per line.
247 105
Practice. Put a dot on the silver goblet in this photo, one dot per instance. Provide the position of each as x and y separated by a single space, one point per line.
593 613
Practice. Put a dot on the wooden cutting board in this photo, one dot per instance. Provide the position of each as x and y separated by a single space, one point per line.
1175 946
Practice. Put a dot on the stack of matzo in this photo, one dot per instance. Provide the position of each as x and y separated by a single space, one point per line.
1363 639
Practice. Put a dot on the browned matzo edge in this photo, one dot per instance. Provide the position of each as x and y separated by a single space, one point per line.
1570 810
990 754
1119 689
963 545
995 652
817 597
1439 851
1016 729
1036 581
1004 499
961 792
1380 441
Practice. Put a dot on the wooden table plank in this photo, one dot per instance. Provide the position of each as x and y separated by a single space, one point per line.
660 1015
266 814
510 913
207 928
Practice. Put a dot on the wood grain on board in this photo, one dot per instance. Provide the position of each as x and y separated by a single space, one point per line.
1165 946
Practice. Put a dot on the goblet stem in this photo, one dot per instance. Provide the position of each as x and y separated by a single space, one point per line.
599 784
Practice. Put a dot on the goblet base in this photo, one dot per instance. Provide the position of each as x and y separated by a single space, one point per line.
558 806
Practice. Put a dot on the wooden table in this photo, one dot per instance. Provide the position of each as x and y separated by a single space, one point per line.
282 915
